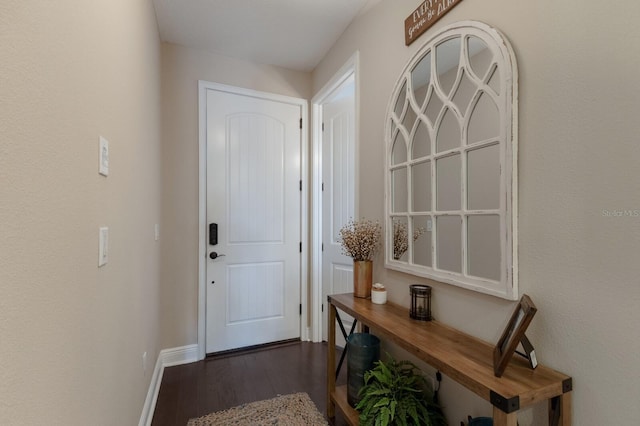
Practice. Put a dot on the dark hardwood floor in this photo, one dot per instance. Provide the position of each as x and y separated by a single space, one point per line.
196 389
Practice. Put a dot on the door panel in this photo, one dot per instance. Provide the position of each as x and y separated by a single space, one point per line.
262 282
256 179
342 278
338 197
253 174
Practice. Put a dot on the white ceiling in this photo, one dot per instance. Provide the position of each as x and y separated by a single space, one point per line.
294 34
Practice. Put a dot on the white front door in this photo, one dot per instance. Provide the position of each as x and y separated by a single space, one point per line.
338 196
254 198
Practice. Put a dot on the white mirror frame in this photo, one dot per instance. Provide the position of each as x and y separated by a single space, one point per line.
507 104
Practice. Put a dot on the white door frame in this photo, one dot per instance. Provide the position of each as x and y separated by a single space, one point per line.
350 68
203 86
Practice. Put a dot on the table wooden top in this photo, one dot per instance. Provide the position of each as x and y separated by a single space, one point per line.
462 357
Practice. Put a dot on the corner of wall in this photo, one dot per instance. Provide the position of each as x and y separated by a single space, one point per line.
166 358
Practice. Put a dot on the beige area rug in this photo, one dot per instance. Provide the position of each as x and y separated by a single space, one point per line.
295 409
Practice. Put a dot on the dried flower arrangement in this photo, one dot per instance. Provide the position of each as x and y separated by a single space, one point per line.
400 239
360 239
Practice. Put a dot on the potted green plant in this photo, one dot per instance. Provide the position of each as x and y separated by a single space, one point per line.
397 393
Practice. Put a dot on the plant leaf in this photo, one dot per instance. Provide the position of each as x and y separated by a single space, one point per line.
397 393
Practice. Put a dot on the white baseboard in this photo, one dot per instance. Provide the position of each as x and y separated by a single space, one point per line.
166 358
306 335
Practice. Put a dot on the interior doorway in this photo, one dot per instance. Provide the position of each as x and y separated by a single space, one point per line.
335 129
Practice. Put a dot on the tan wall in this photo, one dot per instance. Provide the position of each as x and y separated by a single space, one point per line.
577 158
181 69
72 335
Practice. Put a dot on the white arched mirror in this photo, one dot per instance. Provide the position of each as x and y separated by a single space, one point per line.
451 179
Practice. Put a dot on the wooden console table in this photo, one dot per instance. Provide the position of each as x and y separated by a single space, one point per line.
462 357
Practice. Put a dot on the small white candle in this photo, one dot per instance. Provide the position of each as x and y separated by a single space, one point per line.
378 294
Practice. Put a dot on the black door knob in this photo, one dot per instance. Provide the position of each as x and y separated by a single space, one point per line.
215 255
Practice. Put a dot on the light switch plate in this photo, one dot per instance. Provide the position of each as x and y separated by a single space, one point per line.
104 157
103 248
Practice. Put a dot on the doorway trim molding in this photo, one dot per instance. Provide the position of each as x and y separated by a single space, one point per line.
203 86
350 68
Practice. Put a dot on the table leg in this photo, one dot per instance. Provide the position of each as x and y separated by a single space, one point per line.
331 361
560 410
500 418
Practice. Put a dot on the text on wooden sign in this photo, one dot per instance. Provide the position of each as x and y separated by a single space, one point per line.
425 16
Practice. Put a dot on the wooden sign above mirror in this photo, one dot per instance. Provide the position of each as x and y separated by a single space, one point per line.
424 17
451 149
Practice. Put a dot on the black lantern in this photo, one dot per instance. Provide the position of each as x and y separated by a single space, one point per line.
420 302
